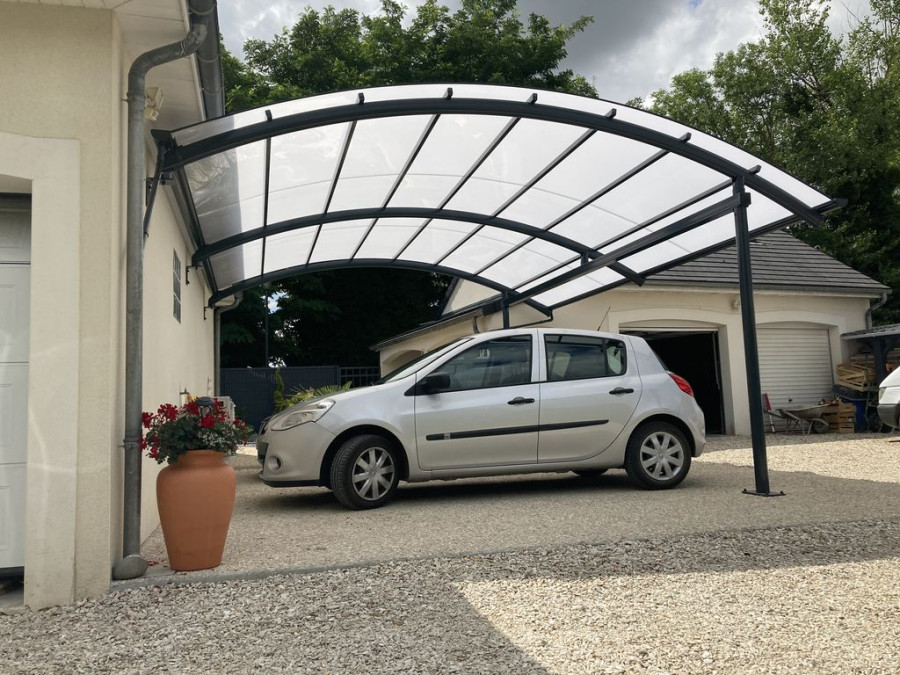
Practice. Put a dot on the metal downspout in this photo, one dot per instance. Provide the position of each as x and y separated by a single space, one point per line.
872 308
132 565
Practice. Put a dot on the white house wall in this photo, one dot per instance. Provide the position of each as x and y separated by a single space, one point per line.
62 131
631 308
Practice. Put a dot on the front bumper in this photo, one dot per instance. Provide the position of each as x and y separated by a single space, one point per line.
294 456
889 413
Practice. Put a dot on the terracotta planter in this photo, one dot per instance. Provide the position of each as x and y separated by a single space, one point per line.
195 497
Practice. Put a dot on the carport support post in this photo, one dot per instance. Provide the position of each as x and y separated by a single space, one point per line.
751 353
505 300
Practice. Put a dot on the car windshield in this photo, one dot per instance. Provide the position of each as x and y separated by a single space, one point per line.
419 362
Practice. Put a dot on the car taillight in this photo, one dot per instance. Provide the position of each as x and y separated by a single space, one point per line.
682 383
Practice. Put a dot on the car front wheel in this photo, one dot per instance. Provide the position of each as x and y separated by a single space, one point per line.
658 456
364 474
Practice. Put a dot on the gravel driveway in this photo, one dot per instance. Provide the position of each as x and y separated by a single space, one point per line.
572 577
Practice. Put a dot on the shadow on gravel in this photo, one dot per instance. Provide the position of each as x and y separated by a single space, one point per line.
304 528
465 576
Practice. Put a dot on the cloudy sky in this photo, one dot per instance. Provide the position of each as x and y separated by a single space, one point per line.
633 47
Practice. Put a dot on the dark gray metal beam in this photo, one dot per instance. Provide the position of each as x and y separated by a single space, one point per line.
751 351
205 252
702 217
348 139
367 262
267 176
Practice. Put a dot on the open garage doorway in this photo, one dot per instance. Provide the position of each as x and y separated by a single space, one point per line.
695 356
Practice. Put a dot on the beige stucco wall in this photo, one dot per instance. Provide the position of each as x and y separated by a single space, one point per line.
178 356
62 130
630 308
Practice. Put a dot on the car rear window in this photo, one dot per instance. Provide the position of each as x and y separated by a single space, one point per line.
578 357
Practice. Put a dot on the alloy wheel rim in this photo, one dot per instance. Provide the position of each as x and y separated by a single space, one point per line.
662 456
373 474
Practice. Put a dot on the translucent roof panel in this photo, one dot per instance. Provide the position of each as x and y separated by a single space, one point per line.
544 195
388 238
436 240
228 190
302 169
338 241
289 249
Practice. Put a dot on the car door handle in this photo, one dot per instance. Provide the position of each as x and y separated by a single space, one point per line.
618 391
520 400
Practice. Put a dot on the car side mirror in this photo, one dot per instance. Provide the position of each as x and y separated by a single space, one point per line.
435 382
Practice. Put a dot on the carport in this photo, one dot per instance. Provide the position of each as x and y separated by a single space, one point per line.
543 197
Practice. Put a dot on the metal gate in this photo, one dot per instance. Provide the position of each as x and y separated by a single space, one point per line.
253 389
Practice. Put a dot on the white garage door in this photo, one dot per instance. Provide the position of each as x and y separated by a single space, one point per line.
795 366
14 310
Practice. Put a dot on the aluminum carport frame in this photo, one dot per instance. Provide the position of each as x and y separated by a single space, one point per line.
543 197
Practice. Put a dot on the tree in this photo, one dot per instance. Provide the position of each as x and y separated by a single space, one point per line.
823 107
334 317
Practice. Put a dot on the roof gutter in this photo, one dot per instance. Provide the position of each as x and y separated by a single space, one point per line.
209 59
132 565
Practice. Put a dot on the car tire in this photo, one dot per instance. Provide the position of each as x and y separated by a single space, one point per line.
365 472
658 456
590 473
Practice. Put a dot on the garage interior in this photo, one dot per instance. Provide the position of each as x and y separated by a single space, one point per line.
695 356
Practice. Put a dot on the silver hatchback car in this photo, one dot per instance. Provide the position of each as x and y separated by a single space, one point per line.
506 402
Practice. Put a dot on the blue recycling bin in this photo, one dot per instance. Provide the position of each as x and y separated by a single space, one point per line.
859 422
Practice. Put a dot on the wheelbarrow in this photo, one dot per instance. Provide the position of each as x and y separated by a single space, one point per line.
806 419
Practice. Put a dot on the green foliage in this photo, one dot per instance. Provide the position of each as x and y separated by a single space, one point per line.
823 107
303 395
484 41
278 396
242 335
334 317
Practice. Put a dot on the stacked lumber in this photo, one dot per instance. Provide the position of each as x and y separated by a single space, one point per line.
841 418
893 357
867 359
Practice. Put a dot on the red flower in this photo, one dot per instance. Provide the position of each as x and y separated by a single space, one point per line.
208 422
167 410
146 419
192 408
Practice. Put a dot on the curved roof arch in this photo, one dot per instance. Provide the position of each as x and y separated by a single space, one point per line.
542 196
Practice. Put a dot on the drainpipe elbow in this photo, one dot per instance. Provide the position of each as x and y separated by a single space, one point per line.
877 305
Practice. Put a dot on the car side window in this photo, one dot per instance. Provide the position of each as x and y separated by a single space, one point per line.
577 357
496 363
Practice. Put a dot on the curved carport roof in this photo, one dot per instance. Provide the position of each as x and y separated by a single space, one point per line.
544 197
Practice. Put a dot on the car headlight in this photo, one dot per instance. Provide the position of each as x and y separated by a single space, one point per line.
311 412
881 391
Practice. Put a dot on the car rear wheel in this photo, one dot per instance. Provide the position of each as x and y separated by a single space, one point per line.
364 474
658 456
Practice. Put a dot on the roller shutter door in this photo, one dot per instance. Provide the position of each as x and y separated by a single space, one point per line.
795 366
14 313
